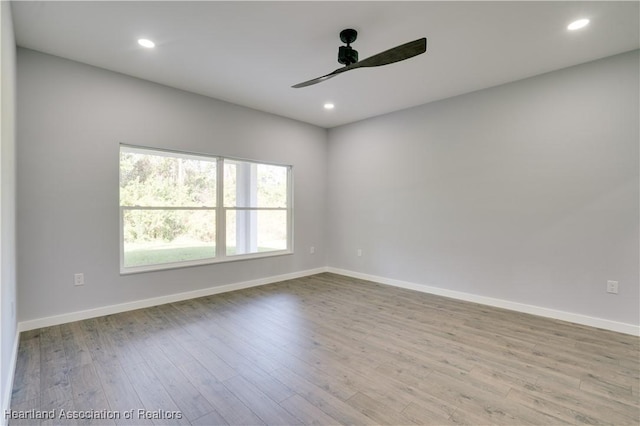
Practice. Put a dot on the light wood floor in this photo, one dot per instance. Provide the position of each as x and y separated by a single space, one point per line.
327 350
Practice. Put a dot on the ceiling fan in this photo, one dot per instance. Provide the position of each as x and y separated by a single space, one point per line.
349 56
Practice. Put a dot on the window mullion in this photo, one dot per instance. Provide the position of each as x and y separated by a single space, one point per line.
221 215
289 209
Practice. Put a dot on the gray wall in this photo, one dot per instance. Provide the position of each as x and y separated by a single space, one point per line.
7 203
71 118
526 192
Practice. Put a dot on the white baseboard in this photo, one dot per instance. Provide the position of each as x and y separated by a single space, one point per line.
8 386
619 327
155 301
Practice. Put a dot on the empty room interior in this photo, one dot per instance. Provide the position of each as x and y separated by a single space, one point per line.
275 213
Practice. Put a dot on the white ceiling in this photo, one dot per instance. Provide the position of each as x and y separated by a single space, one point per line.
250 53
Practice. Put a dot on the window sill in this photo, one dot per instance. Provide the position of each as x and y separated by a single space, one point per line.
201 262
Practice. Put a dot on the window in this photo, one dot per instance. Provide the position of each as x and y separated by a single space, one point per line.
179 209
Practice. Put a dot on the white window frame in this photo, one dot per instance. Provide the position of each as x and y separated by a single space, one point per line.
220 209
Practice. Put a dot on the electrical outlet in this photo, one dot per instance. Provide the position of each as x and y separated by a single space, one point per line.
78 279
359 252
612 287
312 250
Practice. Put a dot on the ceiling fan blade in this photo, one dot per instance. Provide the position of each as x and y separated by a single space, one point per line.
323 78
396 54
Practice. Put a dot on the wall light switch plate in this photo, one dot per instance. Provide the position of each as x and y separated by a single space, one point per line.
78 279
612 287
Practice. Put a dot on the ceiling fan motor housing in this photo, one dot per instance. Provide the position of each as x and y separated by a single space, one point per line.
347 55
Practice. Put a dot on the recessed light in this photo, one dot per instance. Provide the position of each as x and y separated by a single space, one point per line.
576 25
146 43
329 105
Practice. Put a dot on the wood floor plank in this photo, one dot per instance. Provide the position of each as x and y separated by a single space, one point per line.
217 367
191 403
562 412
26 382
75 348
24 407
100 350
264 407
88 394
58 397
153 395
126 349
419 414
267 384
209 419
120 393
328 349
324 401
585 402
377 411
308 413
225 403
